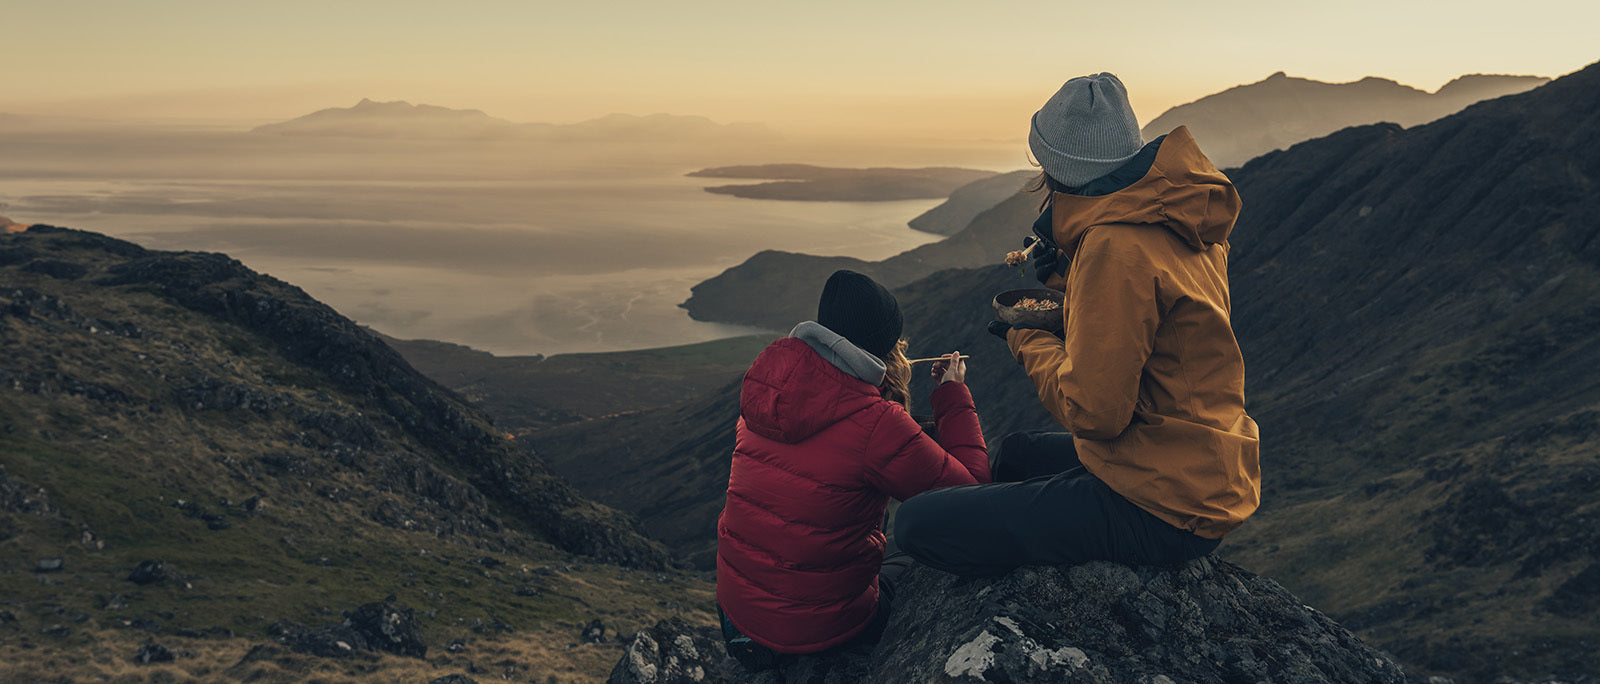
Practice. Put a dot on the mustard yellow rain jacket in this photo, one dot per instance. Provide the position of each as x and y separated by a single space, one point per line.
1149 378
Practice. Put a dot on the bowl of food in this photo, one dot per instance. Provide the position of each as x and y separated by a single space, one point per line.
1030 308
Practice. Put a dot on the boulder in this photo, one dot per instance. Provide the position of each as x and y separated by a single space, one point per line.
593 633
388 627
1202 621
153 653
382 626
674 652
152 572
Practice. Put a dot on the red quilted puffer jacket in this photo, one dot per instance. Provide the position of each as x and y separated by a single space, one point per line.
818 456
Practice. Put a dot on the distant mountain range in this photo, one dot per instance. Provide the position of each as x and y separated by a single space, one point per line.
1232 127
775 289
369 119
1418 310
1246 121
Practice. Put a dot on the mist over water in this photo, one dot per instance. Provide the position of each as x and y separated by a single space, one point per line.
554 263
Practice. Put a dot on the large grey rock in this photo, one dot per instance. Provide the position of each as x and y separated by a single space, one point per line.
674 652
1106 623
1204 621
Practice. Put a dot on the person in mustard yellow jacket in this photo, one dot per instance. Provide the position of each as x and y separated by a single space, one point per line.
1160 459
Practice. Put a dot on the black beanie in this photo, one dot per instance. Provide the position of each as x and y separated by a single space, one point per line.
861 311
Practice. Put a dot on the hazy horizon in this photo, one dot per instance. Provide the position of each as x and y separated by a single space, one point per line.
896 69
391 229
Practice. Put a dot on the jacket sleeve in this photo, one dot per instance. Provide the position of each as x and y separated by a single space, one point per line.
903 461
1090 379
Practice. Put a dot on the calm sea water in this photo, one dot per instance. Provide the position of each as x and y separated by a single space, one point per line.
552 264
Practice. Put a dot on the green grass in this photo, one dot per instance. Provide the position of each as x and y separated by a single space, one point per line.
256 572
116 468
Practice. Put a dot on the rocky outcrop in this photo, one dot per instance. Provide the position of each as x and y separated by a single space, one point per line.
675 652
386 626
17 496
1203 621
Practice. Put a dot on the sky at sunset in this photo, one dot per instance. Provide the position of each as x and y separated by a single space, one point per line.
922 68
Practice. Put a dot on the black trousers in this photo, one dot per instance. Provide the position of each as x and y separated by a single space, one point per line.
1049 511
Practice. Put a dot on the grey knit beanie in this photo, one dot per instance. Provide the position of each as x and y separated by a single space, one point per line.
1085 131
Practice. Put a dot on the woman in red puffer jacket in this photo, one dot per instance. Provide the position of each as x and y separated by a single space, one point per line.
824 441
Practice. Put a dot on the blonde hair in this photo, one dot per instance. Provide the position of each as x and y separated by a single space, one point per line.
896 385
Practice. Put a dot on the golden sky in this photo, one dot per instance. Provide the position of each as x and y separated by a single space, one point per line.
972 68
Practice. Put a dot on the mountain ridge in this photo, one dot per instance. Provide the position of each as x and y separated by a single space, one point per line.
1416 309
396 119
1232 127
1245 121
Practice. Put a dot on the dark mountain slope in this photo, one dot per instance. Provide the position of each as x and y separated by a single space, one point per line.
669 466
525 394
1418 312
1423 320
1420 316
968 201
763 290
280 460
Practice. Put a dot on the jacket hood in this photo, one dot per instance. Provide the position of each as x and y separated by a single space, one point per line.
841 352
794 391
1182 192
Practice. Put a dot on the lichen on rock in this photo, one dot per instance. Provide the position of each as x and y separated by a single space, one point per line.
1202 621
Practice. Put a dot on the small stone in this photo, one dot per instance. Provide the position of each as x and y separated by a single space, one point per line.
286 631
454 679
152 572
113 602
140 622
57 631
593 633
153 653
48 565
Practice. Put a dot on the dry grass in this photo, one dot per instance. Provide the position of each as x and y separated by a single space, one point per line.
540 655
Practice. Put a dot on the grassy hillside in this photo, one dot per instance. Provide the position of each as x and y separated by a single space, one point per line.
284 465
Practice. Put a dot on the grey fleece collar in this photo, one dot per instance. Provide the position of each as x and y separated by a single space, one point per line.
840 352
